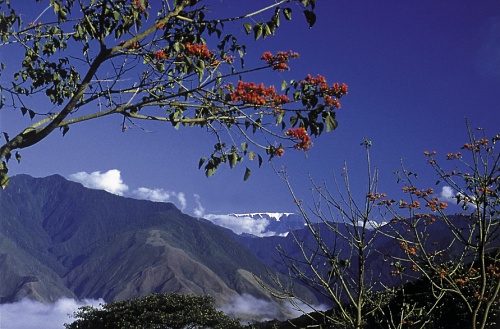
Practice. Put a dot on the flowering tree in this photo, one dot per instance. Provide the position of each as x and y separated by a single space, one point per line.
442 265
170 61
458 255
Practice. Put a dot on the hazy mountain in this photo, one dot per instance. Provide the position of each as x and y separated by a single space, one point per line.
60 239
378 265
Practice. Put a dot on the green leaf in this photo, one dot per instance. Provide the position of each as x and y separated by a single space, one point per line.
201 162
248 172
18 157
260 160
267 30
233 159
210 169
287 12
331 123
244 147
284 84
248 27
310 17
279 118
257 30
65 129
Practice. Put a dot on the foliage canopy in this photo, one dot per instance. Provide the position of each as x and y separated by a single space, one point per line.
174 62
155 311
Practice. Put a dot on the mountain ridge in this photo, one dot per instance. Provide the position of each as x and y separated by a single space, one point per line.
87 243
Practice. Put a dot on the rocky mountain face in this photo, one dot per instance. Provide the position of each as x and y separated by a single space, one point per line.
59 239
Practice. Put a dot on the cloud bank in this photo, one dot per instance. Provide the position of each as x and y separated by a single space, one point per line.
109 181
448 194
249 306
161 195
35 315
241 224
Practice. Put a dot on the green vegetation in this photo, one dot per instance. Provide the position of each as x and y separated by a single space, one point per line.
155 311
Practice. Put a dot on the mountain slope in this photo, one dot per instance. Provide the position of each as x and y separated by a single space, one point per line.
88 243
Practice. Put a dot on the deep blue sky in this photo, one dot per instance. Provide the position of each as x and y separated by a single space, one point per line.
415 71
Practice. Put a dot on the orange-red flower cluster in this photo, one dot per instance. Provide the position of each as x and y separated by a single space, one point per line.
417 192
330 94
477 144
198 50
279 60
300 133
411 250
260 95
160 55
279 151
451 156
342 89
434 205
375 196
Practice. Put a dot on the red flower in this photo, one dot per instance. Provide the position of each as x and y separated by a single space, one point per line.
300 134
279 60
160 55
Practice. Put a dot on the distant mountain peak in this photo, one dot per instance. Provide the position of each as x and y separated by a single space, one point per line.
275 215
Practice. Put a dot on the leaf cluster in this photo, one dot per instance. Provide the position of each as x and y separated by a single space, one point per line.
154 311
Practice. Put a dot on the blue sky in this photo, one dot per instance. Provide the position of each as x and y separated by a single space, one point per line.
415 71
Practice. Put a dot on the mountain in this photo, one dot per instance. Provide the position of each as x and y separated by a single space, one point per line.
59 239
379 261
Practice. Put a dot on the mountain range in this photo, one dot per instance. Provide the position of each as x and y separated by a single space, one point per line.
60 239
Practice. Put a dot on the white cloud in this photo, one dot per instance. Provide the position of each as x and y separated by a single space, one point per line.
109 181
241 224
199 211
160 195
35 315
156 195
299 308
181 198
112 182
447 194
248 306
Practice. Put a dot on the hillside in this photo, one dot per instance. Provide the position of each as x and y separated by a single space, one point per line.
60 239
